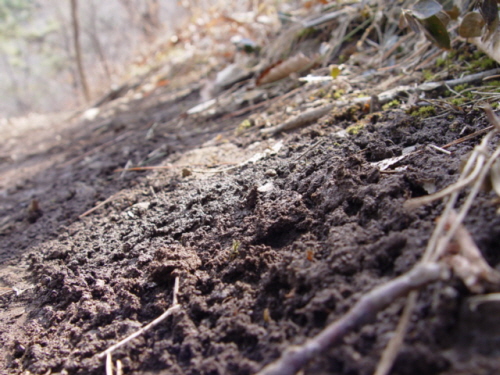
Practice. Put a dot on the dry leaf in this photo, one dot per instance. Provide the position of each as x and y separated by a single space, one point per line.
294 64
426 8
495 176
471 25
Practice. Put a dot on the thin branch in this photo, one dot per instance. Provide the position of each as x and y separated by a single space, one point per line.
78 52
466 178
440 239
119 367
392 349
302 119
172 309
364 311
109 364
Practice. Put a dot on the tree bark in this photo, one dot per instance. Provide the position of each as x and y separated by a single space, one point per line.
78 52
151 19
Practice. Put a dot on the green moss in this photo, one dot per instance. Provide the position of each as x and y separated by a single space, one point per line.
452 54
355 129
338 94
462 89
309 32
480 61
424 112
392 104
441 62
428 75
244 125
494 86
459 101
235 250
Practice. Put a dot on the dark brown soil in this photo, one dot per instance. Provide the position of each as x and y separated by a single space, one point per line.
259 268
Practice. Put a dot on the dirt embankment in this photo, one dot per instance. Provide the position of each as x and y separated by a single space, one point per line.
267 252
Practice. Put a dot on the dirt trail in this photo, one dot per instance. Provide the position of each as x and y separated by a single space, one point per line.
267 253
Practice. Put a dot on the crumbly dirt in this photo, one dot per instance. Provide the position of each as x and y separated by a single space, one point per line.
267 252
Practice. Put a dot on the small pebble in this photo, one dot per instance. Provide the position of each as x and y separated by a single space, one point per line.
270 173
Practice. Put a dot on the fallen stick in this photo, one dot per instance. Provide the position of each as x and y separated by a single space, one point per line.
363 312
261 104
300 120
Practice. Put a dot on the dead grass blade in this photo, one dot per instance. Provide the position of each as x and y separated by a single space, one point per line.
171 310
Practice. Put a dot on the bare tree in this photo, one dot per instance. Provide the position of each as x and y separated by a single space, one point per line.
147 20
151 19
78 52
93 33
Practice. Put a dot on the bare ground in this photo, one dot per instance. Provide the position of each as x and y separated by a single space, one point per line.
267 253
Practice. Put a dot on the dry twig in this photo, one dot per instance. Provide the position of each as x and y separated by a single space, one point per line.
302 119
364 311
469 265
466 260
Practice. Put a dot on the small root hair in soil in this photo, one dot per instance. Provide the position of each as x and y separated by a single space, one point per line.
108 352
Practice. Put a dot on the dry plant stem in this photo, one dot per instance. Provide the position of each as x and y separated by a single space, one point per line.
465 178
300 120
434 249
437 244
316 113
309 149
113 197
109 364
261 104
119 367
477 158
144 168
392 348
152 168
125 169
467 137
395 46
467 262
459 81
429 60
174 308
445 192
467 204
330 16
364 311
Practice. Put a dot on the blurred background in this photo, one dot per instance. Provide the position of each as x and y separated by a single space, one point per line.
60 55
38 69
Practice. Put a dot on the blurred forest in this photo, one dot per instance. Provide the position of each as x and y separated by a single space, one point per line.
38 70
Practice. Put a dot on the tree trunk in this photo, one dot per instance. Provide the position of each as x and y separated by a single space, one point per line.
151 19
78 52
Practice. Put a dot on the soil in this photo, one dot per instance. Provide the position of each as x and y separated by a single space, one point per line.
267 252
